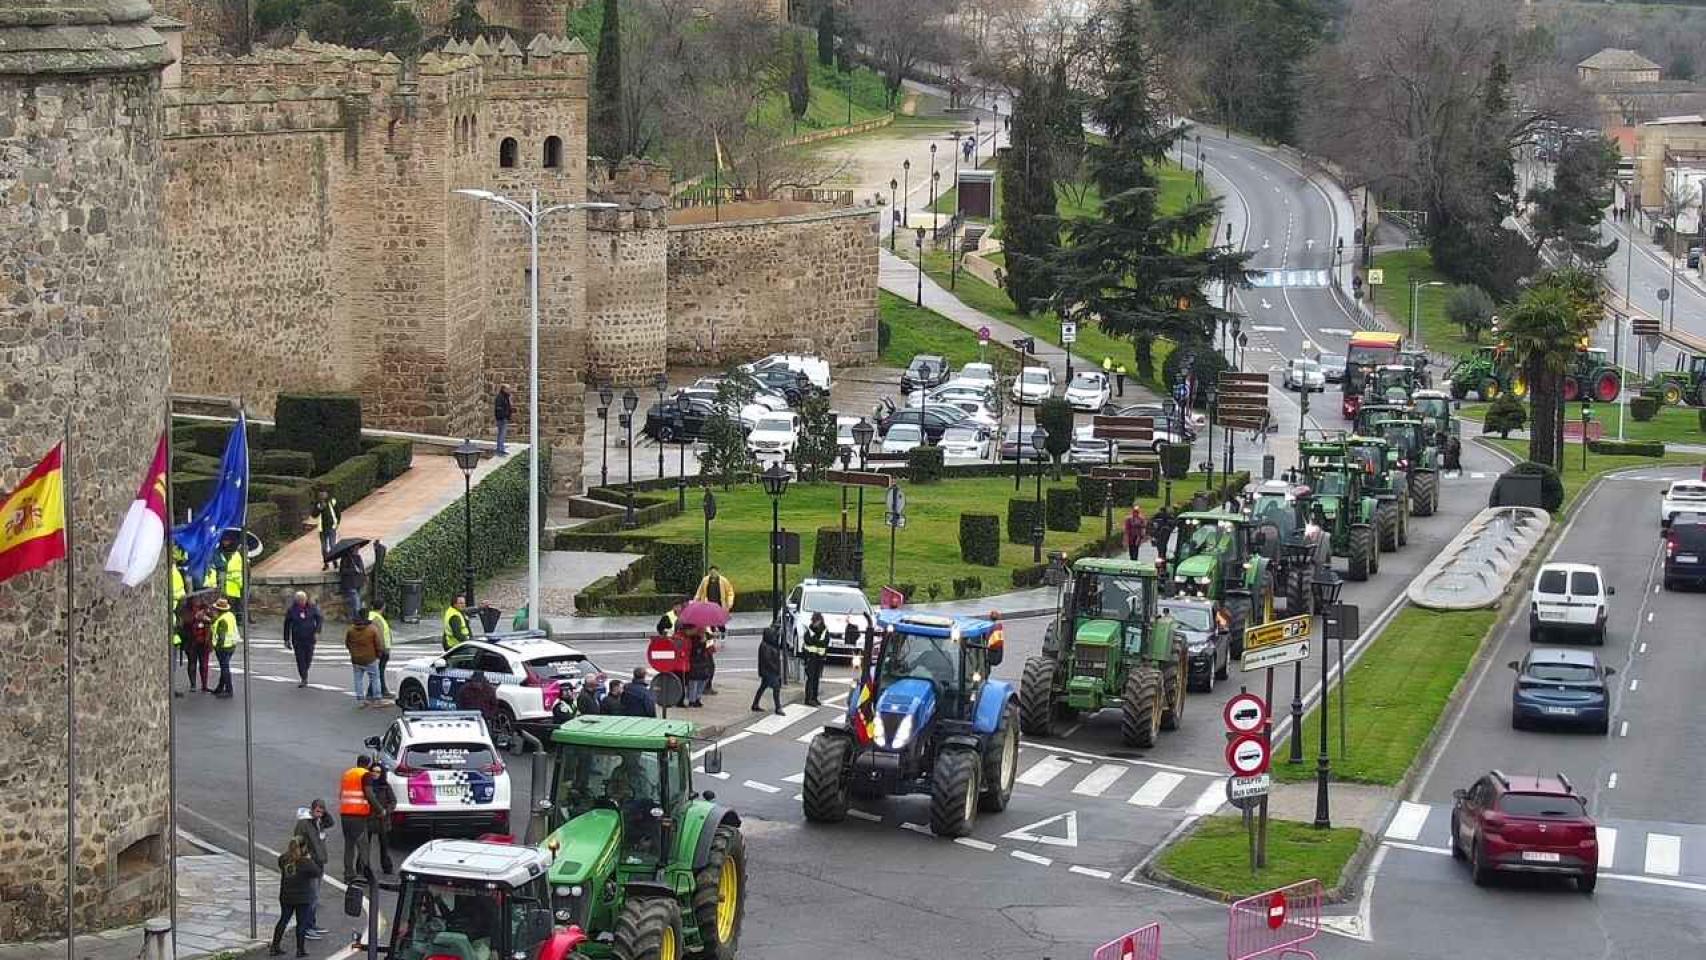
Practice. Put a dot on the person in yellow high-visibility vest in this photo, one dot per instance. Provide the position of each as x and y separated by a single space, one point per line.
225 637
230 562
376 615
456 622
179 591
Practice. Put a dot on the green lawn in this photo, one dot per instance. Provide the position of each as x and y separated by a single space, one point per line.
1396 693
1575 478
926 551
1084 200
1393 297
827 106
1216 855
1671 425
914 330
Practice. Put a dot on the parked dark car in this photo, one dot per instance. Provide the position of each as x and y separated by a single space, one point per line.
677 418
925 371
1014 440
936 417
1685 551
1525 824
1561 686
793 387
1333 366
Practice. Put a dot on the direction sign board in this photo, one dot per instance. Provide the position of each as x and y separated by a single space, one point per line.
1245 713
896 500
1376 276
1275 656
1247 755
1068 331
1141 429
1248 788
1278 632
860 478
1644 326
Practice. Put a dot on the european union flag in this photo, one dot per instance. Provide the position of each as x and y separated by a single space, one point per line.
225 508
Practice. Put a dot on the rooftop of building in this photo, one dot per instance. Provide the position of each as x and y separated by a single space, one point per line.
1614 58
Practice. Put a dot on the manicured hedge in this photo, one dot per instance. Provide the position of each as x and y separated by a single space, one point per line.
197 463
679 565
1551 486
433 554
832 554
294 505
1023 515
1176 460
980 539
394 456
263 523
285 463
1062 507
328 425
924 464
350 480
189 492
1644 408
1629 448
1701 415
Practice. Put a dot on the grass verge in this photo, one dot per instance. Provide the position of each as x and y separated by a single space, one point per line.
914 330
1670 425
1216 855
1393 297
1394 697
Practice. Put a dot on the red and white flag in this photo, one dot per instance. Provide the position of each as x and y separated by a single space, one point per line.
141 537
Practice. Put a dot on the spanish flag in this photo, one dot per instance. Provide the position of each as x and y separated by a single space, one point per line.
32 519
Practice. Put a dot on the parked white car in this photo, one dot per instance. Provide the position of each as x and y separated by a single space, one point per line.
1033 385
1305 374
1569 598
537 679
978 375
816 369
1088 391
775 435
1682 496
445 772
967 441
839 601
951 391
1086 448
901 438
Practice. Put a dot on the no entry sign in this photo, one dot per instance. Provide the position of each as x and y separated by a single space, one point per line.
1247 755
1276 910
663 656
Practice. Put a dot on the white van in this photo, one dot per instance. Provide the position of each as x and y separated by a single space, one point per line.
816 369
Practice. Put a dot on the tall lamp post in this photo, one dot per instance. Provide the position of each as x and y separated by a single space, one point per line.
662 384
532 214
1587 417
933 179
467 457
679 422
894 214
905 188
775 481
976 136
1039 442
606 396
1326 588
935 214
863 434
1415 305
918 243
1297 557
630 400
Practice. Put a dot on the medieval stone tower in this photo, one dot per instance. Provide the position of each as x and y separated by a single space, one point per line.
83 331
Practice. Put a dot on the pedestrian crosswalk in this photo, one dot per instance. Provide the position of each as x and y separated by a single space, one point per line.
1650 848
1291 278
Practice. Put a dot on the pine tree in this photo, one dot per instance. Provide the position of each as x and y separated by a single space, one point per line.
604 131
817 447
465 22
1129 267
826 34
1030 230
799 82
1569 211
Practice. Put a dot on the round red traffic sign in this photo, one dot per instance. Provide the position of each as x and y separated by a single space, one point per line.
1276 910
1247 755
1245 713
663 656
983 334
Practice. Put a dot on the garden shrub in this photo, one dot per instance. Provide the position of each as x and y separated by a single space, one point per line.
328 425
924 464
395 456
980 539
968 586
285 463
1092 495
1628 448
1023 515
1176 460
1506 413
832 554
678 565
350 480
1551 485
1644 407
1061 505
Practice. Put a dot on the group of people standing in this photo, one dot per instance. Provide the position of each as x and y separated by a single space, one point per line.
205 622
367 640
1140 529
365 805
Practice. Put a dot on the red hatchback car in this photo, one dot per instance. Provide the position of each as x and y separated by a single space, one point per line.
1525 824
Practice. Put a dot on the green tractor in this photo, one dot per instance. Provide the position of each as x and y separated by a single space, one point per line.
1488 372
1340 505
1386 479
1682 384
1593 377
1227 558
647 866
1434 408
1280 518
1107 646
1412 447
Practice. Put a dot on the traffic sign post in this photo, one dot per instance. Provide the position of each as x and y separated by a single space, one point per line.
1249 746
896 518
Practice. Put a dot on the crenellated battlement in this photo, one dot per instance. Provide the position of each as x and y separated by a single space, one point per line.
234 111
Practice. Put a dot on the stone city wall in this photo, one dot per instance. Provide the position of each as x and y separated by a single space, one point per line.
804 283
627 285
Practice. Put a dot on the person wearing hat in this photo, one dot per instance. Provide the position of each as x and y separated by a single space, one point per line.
362 641
225 637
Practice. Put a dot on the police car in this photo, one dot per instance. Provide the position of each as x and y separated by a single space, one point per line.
536 679
445 774
840 602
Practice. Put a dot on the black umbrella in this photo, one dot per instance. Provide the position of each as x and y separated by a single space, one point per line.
345 545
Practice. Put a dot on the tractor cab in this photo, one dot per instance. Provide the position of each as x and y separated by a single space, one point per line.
1277 514
1391 383
1433 406
1406 440
933 665
1228 536
473 900
1371 413
1417 360
1109 603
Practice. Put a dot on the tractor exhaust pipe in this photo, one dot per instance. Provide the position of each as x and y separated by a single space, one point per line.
540 777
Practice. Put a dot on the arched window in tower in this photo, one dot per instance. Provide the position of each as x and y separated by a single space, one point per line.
507 152
553 152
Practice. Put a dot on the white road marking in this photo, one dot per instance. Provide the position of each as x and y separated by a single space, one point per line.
1266 305
1267 328
1603 875
1068 821
765 787
917 828
1634 685
1155 789
864 815
775 723
975 844
1091 872
1664 854
1100 779
1655 588
798 797
1336 331
1611 782
731 738
794 778
720 776
1041 772
1607 837
839 700
1151 764
1418 848
1623 729
1643 646
1407 823
1649 616
1209 800
1029 857
806 737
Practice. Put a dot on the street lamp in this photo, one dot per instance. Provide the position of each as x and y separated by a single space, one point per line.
933 179
1587 417
662 384
1039 442
605 397
679 422
935 184
976 136
1326 586
863 434
532 214
467 457
906 188
918 242
630 400
1297 557
894 213
1415 304
775 481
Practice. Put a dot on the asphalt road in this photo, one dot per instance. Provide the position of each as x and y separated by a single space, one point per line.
1642 780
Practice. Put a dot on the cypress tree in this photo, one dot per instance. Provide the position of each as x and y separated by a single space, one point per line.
1030 229
826 34
604 131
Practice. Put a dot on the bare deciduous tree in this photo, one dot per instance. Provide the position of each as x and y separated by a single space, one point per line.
901 35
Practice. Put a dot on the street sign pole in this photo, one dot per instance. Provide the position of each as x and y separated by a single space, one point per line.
1262 811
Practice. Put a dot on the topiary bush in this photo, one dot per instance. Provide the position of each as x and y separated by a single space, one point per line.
294 504
350 480
980 539
395 456
328 425
1176 460
924 464
1551 485
1062 508
1628 448
678 565
262 520
189 492
1022 517
1701 414
1092 495
1506 413
967 586
1643 407
285 463
832 555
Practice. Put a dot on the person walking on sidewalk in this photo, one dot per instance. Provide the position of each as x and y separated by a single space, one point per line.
1136 531
376 614
698 666
224 638
769 670
297 872
362 642
715 588
302 624
814 645
352 576
503 411
312 823
1161 529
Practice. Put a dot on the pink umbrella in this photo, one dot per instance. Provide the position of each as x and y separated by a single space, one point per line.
702 614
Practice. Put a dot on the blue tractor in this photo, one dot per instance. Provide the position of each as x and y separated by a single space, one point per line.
924 718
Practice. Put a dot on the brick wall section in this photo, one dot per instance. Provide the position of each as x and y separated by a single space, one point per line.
627 295
803 283
83 331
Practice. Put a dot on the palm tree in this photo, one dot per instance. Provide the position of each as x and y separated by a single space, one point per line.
1551 321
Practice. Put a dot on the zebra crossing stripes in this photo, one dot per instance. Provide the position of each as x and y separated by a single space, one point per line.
1407 823
1100 779
1155 789
777 722
1664 855
1040 773
1210 800
1607 837
1654 849
1292 278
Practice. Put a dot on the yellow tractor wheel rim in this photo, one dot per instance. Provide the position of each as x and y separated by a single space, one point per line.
1519 387
667 946
728 901
1490 389
1673 395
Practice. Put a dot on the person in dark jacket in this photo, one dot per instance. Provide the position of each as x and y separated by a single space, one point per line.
503 411
698 667
352 575
302 623
814 649
637 699
313 822
769 670
611 703
587 700
479 694
297 872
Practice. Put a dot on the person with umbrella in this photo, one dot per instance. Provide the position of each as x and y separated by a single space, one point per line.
352 574
715 588
302 623
706 618
698 664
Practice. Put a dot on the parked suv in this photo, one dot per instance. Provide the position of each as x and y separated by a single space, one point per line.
1561 686
925 371
1569 598
445 772
1526 824
1685 552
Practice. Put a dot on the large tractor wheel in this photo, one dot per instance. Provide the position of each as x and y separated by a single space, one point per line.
1489 389
953 793
1424 490
1386 522
1173 681
1672 393
1037 711
1140 711
824 793
1607 385
1237 618
1296 592
1459 390
1360 552
719 894
1572 389
1700 394
648 928
1000 763
1404 509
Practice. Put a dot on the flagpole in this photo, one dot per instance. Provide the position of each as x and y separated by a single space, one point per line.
70 699
248 702
171 701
